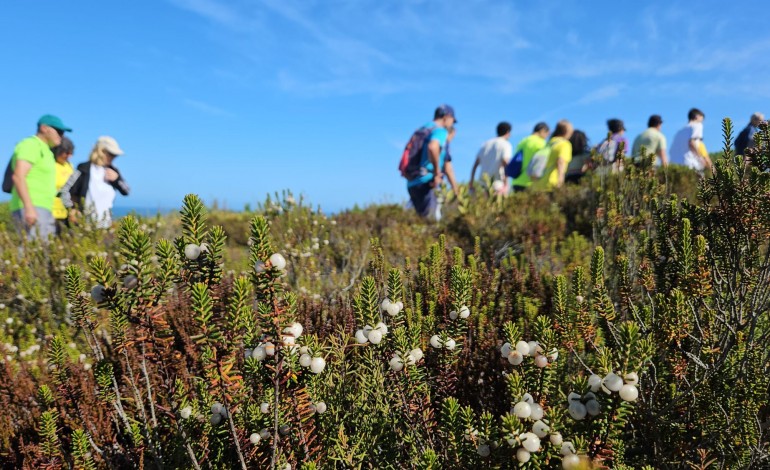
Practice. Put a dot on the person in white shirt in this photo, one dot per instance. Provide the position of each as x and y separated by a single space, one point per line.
687 147
91 188
493 156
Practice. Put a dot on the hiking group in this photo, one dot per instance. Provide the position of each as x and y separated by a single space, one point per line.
540 161
48 194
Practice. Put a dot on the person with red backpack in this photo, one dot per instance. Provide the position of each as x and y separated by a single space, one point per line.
425 161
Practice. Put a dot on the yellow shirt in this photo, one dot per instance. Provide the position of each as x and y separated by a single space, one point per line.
63 172
561 148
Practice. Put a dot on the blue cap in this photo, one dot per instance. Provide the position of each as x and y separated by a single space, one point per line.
444 110
53 121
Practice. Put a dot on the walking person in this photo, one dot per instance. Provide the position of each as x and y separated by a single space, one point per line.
34 179
528 147
609 148
425 179
559 157
493 156
653 140
687 147
62 154
91 188
745 138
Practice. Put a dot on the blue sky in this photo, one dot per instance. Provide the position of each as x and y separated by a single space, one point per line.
234 99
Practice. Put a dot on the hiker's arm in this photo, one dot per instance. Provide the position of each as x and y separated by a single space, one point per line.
450 175
694 146
663 156
20 181
561 168
434 152
65 193
473 173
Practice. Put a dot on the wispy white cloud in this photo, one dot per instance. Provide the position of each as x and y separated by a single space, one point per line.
206 108
600 94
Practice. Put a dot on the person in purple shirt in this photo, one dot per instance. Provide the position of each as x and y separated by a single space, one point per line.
610 147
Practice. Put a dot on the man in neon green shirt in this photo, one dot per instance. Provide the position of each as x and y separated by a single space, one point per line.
34 178
528 147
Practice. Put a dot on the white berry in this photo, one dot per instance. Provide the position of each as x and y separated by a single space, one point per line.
567 448
450 344
396 364
570 462
435 341
385 304
613 382
523 348
264 408
264 434
631 378
277 261
577 410
522 455
541 361
537 411
192 251
217 408
375 336
483 450
527 398
255 438
393 309
320 407
540 429
556 439
382 327
629 393
505 349
361 337
416 353
593 408
515 357
215 419
305 359
185 412
259 353
317 365
97 293
522 410
533 347
595 382
453 315
269 349
531 442
465 312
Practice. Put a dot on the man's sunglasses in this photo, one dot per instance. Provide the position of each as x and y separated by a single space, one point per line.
58 131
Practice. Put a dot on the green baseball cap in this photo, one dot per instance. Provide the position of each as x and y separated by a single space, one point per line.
53 121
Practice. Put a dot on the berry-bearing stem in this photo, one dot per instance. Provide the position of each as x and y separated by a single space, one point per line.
230 414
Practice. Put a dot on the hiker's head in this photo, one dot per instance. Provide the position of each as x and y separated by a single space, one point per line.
50 129
655 121
756 119
541 129
579 142
615 126
64 150
504 129
105 150
445 116
563 129
696 114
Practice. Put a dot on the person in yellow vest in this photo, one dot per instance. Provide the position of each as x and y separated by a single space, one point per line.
559 157
62 153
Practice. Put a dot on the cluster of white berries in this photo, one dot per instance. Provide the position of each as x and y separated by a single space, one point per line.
625 386
438 342
580 407
372 335
316 364
258 436
464 312
318 407
218 413
397 362
391 308
516 354
529 442
193 251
